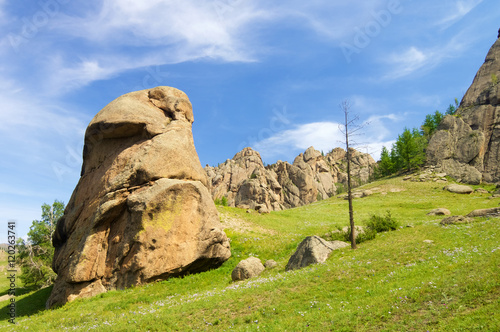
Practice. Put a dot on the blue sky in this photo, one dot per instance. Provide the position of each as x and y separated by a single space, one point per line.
265 74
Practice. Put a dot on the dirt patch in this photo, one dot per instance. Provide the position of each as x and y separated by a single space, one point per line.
5 297
241 226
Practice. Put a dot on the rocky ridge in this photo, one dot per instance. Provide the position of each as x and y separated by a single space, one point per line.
246 183
466 146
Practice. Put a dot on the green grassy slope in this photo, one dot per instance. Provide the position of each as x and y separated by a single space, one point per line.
396 282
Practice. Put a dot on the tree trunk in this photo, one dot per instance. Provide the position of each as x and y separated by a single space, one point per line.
349 192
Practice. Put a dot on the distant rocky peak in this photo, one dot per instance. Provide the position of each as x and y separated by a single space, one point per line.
248 158
484 89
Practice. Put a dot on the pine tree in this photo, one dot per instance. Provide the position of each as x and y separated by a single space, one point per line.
36 253
407 149
385 164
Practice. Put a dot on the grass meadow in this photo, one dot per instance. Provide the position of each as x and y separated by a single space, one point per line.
396 282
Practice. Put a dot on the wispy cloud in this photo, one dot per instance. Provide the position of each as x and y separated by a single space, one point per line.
37 134
420 60
460 10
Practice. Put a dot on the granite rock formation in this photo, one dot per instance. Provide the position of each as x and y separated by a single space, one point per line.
467 145
141 211
246 183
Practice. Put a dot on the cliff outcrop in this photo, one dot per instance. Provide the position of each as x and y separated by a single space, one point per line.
466 145
246 183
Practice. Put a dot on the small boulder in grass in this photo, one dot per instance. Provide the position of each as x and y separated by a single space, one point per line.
247 268
491 212
459 189
269 264
481 191
453 220
439 212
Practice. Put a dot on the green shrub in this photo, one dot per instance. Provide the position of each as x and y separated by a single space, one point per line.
253 176
494 79
340 188
222 201
366 235
339 235
382 224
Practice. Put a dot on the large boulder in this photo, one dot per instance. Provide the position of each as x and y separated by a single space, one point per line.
141 211
247 268
467 146
312 250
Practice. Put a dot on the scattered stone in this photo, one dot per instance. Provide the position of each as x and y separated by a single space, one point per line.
428 241
459 189
441 175
312 250
406 178
481 191
248 268
262 209
492 212
439 212
269 264
359 194
455 220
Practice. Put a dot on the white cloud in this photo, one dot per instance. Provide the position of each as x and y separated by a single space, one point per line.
326 135
460 10
160 32
183 26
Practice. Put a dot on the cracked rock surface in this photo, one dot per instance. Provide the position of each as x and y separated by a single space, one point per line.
141 211
467 146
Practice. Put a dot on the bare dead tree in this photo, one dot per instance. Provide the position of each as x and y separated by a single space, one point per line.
348 129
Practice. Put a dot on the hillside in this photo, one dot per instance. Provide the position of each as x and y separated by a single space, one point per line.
395 282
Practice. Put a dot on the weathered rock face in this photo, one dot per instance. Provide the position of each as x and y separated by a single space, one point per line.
467 146
246 183
141 210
